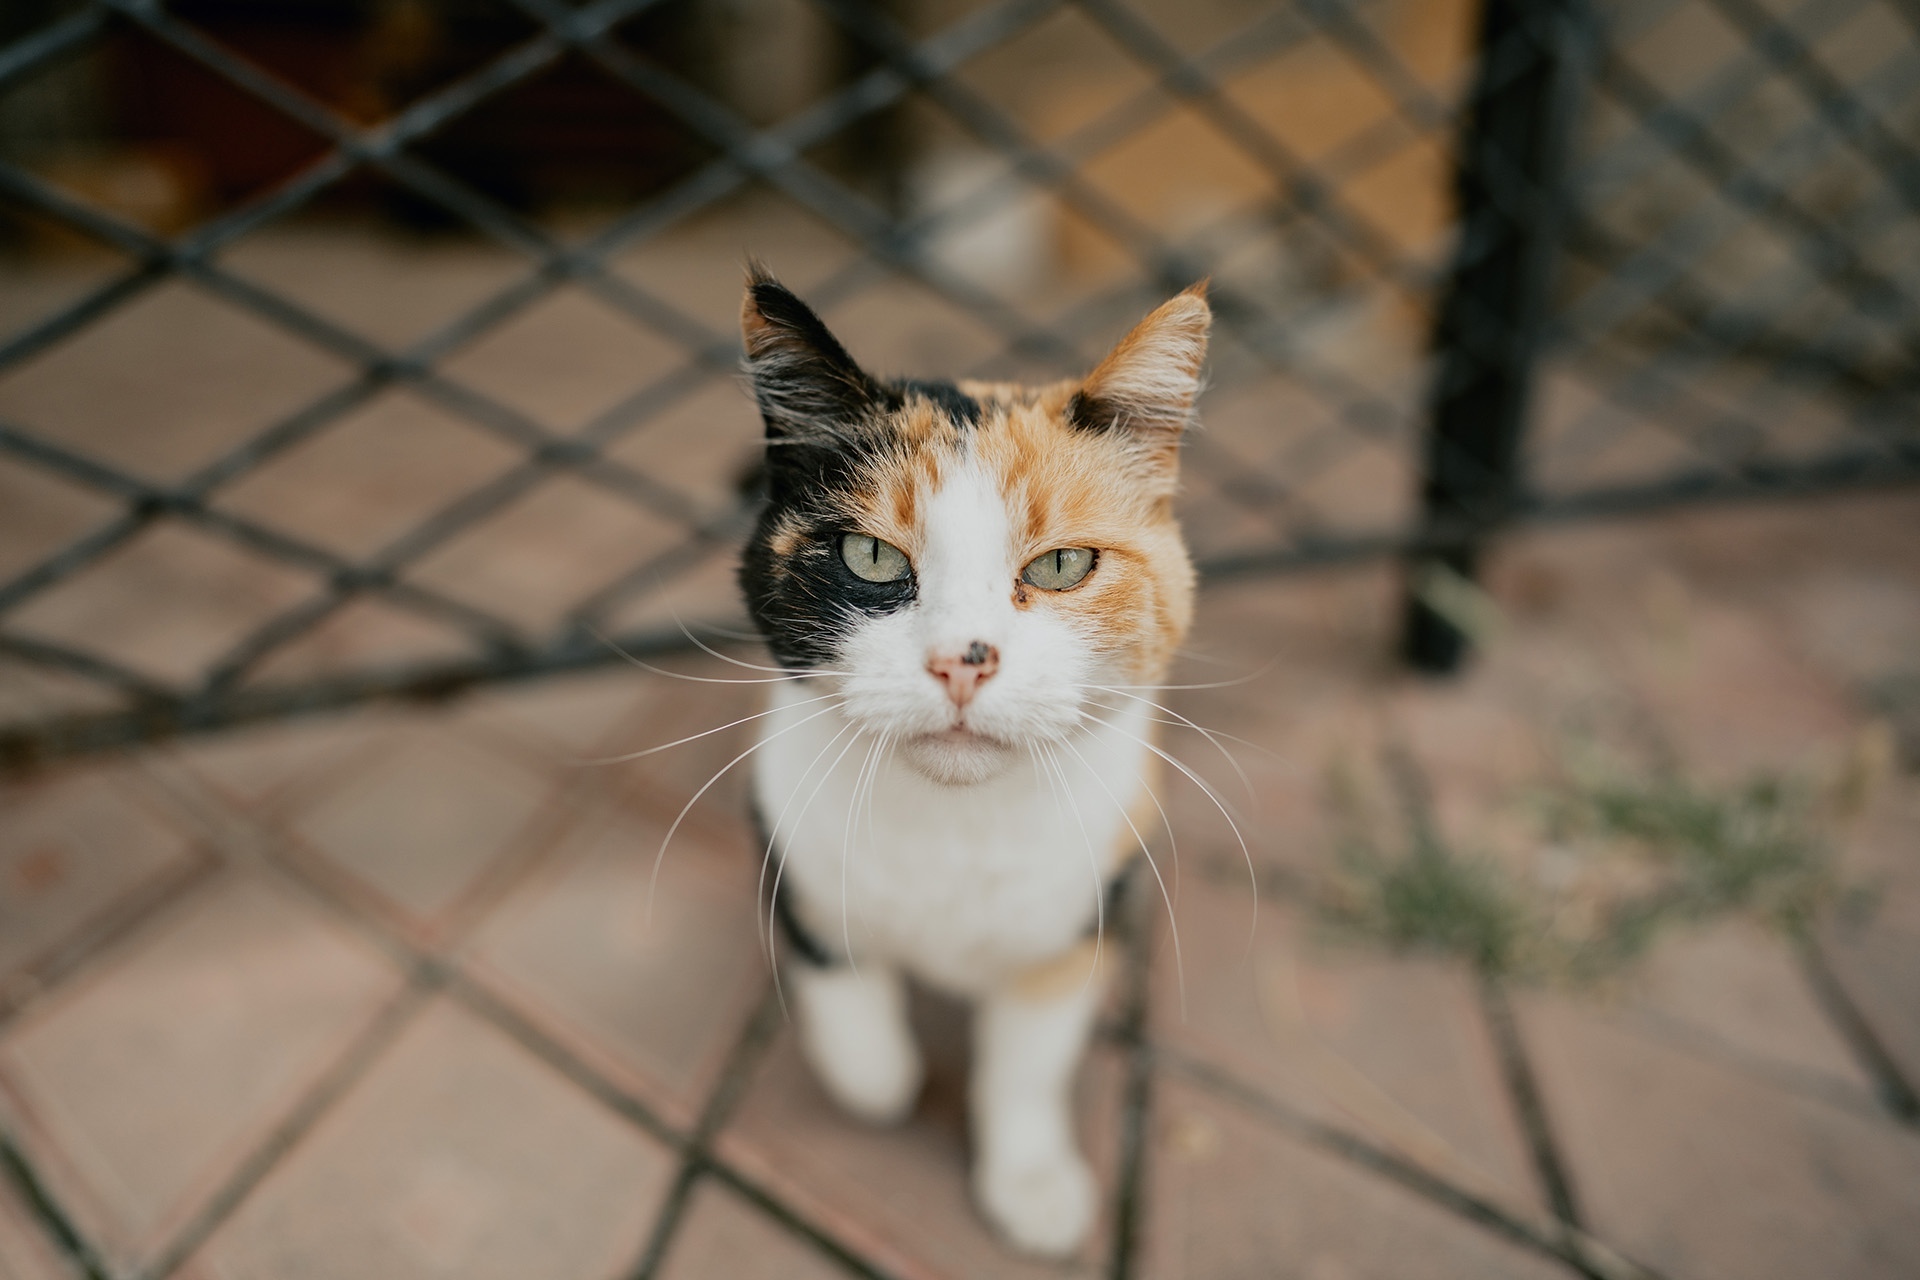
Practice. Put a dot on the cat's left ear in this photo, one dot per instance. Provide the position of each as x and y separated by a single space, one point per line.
1147 384
809 388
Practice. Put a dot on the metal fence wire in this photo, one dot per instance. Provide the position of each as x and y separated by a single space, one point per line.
1472 264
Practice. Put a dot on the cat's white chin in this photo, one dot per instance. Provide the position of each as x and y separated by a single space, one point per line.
958 757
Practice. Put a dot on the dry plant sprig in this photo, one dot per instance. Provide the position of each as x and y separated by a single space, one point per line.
1618 858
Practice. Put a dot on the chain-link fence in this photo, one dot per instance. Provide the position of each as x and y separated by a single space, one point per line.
392 352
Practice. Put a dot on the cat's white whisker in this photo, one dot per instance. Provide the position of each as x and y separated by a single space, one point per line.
860 782
694 737
1171 723
799 817
889 741
772 829
732 661
1173 842
773 836
653 879
1093 863
1253 875
773 898
786 674
1211 735
1249 678
1197 727
1173 923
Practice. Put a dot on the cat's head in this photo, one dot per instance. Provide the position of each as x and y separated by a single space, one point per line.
971 558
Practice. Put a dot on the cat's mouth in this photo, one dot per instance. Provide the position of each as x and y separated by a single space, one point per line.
958 755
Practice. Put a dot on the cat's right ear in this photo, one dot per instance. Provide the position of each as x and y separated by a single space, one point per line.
809 389
1144 390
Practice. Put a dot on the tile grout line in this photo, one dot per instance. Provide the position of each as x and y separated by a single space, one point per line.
1891 1087
510 1021
1819 1089
346 1071
1568 1244
575 799
434 972
748 1049
17 1170
1415 791
788 1217
107 929
479 999
500 1013
1529 1107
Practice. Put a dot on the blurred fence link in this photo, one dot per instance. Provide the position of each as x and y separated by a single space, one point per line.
1473 264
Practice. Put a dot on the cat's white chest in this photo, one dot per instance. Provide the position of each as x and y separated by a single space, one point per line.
964 886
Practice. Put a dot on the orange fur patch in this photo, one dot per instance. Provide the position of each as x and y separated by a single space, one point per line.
1064 974
1066 486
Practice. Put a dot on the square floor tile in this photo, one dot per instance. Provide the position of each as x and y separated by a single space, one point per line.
1392 1048
1878 964
74 847
1736 700
144 1083
422 823
1734 991
259 765
652 980
1228 1195
1703 1172
560 717
460 1154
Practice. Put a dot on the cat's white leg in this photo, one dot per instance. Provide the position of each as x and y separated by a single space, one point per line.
1028 1173
854 1032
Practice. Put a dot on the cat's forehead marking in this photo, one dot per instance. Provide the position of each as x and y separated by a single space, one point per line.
960 408
1054 482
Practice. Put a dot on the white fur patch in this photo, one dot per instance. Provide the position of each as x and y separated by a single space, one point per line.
962 861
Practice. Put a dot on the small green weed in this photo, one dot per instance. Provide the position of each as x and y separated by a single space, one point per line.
1613 861
1431 900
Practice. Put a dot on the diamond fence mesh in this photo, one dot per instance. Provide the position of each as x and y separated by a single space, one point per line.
381 348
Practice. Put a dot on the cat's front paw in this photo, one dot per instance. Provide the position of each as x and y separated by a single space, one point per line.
853 1031
1044 1207
876 1078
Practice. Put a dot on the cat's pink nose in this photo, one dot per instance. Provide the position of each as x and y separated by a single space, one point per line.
964 672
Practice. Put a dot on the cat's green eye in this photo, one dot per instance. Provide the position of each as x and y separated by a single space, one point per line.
1059 569
874 560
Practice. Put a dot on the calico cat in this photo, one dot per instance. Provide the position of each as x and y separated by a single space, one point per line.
964 582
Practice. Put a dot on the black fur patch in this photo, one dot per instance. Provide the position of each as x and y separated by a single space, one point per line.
807 350
805 602
946 397
827 423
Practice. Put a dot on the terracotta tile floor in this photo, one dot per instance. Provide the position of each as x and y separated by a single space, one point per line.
394 993
398 993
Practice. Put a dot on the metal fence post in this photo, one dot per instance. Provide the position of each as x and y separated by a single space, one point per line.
1510 165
